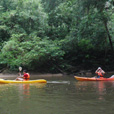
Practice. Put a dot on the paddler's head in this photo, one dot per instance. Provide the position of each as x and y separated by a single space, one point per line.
99 68
24 71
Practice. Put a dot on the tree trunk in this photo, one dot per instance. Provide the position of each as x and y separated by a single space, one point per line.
109 37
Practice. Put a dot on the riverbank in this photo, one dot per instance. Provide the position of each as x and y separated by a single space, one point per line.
81 73
5 75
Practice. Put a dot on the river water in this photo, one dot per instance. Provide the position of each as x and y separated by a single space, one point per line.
61 95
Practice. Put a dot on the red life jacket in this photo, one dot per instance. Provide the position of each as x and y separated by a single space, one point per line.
26 76
100 74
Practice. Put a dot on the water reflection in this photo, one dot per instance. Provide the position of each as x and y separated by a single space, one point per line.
99 88
39 85
22 98
25 89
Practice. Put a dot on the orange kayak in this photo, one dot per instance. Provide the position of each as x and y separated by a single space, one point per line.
93 79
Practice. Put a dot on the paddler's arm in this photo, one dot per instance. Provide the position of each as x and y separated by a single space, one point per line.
99 68
20 76
103 71
96 71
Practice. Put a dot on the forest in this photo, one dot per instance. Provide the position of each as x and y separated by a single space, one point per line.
57 35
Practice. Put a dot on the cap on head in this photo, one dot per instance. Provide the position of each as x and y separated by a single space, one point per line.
99 67
24 71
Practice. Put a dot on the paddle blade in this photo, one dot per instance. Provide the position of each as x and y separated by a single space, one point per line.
20 69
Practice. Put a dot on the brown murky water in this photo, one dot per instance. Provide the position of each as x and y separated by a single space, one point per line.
61 95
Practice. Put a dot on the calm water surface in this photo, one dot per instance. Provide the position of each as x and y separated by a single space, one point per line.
61 95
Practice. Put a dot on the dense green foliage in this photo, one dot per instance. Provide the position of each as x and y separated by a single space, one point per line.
55 35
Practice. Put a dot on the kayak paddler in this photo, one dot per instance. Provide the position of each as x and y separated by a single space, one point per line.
100 72
24 77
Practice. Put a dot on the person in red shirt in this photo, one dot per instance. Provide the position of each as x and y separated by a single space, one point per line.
24 77
99 72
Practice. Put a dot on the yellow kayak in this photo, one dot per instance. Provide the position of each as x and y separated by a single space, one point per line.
2 81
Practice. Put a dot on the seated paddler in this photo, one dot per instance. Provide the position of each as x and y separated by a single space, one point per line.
99 72
24 77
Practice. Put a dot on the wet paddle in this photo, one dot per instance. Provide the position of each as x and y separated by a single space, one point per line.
20 69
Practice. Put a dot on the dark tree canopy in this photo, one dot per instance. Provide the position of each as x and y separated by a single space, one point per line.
56 35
